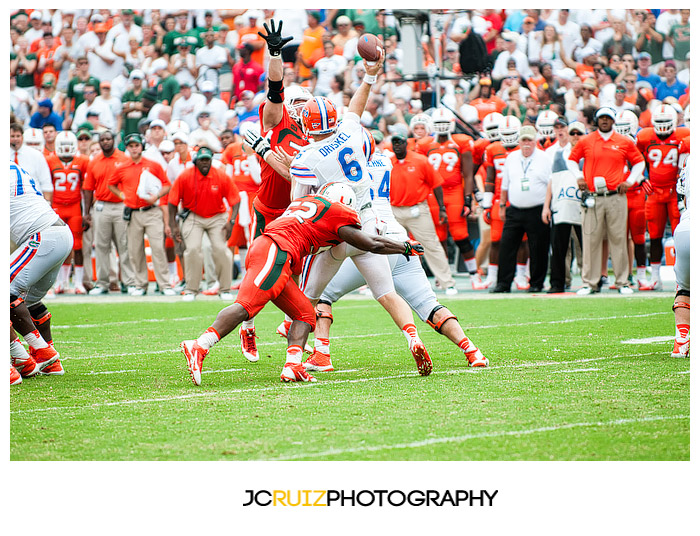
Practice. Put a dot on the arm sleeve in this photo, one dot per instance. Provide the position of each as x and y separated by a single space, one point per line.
636 173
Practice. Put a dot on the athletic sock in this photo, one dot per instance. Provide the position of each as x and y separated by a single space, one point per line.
294 354
78 276
464 345
521 270
248 324
655 271
17 350
471 265
323 345
410 332
242 254
492 273
64 275
172 269
35 340
208 339
682 331
641 272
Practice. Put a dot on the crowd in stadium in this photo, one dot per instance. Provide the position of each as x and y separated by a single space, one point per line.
116 114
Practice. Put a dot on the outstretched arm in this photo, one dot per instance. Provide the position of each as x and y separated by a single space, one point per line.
378 244
359 99
274 108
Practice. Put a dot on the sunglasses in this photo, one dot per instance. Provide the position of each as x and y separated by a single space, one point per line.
575 133
83 138
166 152
89 92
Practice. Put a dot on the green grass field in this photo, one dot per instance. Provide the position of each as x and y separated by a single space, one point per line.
561 386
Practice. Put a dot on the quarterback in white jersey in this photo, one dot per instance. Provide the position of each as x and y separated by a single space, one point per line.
681 240
409 278
44 242
338 153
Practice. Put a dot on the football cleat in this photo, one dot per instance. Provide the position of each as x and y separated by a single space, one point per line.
295 372
476 358
54 369
650 285
248 347
521 282
681 348
283 330
195 355
485 284
44 356
420 354
26 366
477 282
212 291
58 289
15 376
80 289
319 362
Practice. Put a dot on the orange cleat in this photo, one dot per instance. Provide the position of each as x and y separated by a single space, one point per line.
420 354
54 369
26 366
195 355
295 372
44 356
248 346
681 348
15 376
319 362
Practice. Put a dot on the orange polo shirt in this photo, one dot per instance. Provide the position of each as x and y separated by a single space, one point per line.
127 177
605 158
412 180
204 194
99 170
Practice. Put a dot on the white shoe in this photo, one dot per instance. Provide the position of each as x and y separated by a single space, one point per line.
521 282
651 285
450 291
584 291
226 296
188 297
137 292
98 291
625 290
50 295
80 289
169 292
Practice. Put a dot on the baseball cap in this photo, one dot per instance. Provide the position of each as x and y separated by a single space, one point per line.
166 146
644 55
510 36
589 83
204 152
106 84
605 110
157 123
451 46
180 135
343 19
561 121
670 63
137 73
378 135
46 103
484 81
577 126
151 94
133 138
83 132
612 73
93 113
208 86
185 83
158 64
398 132
528 19
528 132
35 15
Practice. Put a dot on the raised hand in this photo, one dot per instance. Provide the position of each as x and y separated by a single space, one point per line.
275 41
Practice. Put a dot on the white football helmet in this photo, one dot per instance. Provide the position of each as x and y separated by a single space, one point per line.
443 121
469 113
545 124
509 131
177 126
34 138
422 119
340 192
295 98
686 116
491 124
627 124
66 144
664 119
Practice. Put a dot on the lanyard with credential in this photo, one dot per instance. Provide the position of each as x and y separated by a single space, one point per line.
525 182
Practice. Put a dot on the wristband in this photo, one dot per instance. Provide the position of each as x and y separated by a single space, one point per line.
369 79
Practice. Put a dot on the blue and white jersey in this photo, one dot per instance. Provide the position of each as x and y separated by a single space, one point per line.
380 167
29 211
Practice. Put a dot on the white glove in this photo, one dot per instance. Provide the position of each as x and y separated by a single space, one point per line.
259 144
487 200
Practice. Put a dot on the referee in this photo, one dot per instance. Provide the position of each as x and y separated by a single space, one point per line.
526 173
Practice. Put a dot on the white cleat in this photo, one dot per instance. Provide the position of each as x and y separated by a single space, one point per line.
521 282
248 346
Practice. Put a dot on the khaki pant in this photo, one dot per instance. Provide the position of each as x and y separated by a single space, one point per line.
193 230
609 215
418 221
149 223
110 227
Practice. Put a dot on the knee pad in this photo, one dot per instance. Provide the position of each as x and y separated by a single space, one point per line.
39 313
15 301
438 326
464 245
677 304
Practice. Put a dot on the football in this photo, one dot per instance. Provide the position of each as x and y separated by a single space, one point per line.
369 46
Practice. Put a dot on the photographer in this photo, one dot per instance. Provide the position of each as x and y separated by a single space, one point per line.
605 154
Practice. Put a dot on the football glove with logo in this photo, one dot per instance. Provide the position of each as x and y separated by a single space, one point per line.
412 248
275 41
256 142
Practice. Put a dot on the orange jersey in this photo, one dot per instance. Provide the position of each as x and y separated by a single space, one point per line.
235 156
478 155
67 179
684 147
495 157
661 155
310 225
446 157
275 190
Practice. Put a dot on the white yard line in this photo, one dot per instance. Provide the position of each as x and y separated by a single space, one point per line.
220 395
648 340
93 373
467 437
574 370
683 372
222 370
